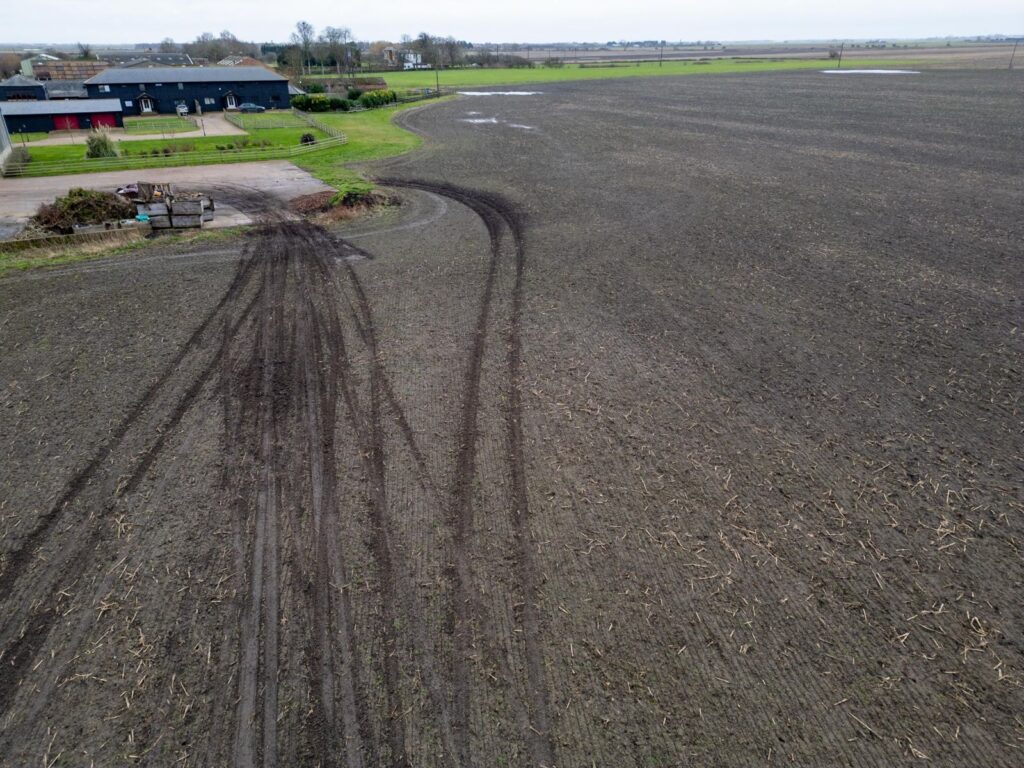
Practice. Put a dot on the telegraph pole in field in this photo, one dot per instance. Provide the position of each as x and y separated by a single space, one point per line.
1012 55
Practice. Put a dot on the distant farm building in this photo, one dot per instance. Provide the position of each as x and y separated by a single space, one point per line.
61 115
394 57
67 70
202 89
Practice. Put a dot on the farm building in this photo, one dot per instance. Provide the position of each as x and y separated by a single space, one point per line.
21 88
58 115
201 89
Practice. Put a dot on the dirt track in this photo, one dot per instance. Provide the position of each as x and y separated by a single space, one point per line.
679 427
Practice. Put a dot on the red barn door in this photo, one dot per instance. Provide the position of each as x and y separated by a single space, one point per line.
65 122
103 121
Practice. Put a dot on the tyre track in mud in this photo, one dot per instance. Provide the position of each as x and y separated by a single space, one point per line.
496 214
283 382
28 624
396 583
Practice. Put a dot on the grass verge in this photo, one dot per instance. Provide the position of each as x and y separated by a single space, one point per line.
11 261
372 135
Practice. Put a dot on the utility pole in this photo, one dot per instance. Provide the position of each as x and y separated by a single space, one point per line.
839 64
661 54
437 78
1012 55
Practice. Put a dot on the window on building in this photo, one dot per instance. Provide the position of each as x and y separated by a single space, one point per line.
181 86
142 86
128 104
104 89
208 100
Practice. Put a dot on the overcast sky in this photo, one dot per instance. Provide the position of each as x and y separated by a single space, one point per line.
126 21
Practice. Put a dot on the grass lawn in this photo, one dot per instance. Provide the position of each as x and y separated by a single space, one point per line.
19 138
266 120
184 151
468 78
173 124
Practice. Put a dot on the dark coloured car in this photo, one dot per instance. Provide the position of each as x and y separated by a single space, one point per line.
250 107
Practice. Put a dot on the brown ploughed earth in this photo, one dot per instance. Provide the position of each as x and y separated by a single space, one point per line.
666 422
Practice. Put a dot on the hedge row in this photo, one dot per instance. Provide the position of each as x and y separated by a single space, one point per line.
319 102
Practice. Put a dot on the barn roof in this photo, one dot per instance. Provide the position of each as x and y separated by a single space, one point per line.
116 76
20 81
76 107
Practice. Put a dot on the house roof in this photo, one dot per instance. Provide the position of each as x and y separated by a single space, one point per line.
141 58
20 81
76 107
117 76
239 60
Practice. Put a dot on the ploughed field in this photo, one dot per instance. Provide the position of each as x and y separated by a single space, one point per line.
667 422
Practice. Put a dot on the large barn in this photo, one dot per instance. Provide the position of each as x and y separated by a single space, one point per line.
201 89
61 115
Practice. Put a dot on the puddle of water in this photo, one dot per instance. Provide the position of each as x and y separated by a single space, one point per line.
481 120
472 113
871 72
524 127
499 93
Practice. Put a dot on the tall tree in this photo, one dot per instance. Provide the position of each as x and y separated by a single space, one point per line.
84 51
304 36
167 45
335 42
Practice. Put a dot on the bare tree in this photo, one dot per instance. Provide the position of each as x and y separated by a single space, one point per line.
450 51
84 51
303 36
10 64
335 43
167 45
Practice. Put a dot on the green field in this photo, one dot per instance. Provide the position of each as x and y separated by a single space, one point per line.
468 78
172 124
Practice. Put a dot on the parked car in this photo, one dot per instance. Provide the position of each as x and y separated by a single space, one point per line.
250 107
182 110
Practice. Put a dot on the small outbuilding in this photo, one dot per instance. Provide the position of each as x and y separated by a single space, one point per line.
21 88
59 115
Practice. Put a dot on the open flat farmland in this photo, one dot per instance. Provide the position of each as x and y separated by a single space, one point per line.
667 422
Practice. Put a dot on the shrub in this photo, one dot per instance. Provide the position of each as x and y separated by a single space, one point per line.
372 99
337 103
307 138
99 145
300 102
354 93
315 88
554 63
319 103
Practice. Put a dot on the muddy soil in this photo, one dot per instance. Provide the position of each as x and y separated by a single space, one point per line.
674 422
